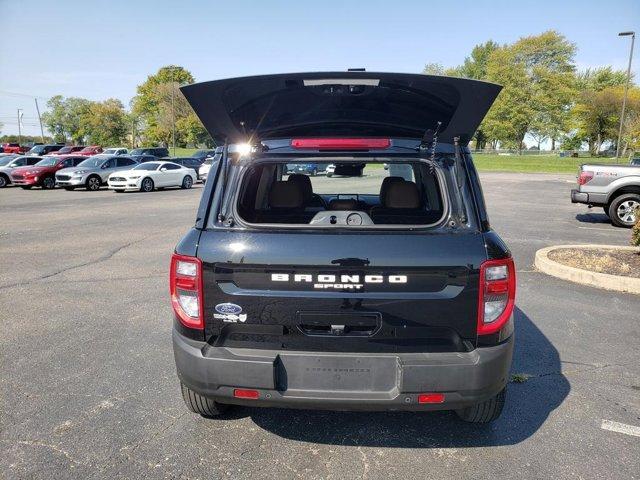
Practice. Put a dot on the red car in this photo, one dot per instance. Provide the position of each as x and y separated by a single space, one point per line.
13 148
69 149
88 151
43 173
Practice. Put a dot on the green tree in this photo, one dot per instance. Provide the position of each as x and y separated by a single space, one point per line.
549 62
159 102
538 76
475 65
433 69
63 118
510 117
105 123
191 132
597 115
597 79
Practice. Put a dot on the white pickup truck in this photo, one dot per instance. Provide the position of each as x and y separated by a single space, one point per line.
615 188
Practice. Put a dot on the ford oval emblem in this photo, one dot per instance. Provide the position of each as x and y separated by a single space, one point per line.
228 308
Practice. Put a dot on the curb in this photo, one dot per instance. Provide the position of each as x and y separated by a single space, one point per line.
585 277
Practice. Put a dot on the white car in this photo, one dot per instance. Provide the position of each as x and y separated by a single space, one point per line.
115 151
151 175
331 168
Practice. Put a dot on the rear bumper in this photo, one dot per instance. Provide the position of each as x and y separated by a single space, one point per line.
599 199
334 381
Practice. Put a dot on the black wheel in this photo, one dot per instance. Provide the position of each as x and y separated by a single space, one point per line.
146 185
69 189
93 183
622 210
187 181
48 183
4 181
201 405
25 187
484 412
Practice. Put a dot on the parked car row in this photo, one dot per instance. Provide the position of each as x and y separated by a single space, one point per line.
141 171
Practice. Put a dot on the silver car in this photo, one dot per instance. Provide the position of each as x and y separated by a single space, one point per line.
9 162
93 172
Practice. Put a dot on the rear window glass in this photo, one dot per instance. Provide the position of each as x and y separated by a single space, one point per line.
360 194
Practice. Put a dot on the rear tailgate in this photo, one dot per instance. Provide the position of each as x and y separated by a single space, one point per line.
341 292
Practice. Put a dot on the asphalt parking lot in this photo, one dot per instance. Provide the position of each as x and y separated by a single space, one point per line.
89 389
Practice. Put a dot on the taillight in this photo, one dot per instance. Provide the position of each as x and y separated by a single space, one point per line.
431 398
185 286
248 394
497 294
341 143
584 177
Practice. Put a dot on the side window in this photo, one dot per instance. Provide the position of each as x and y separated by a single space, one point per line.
20 162
32 161
77 161
125 162
109 163
67 163
172 166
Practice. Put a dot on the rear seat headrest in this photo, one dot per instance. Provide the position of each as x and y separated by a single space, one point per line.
384 188
304 183
403 195
286 195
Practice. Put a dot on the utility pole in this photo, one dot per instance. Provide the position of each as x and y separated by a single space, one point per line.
626 89
40 120
19 124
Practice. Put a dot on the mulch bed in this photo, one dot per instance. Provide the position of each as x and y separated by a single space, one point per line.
614 262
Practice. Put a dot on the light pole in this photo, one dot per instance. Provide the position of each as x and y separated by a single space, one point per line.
626 89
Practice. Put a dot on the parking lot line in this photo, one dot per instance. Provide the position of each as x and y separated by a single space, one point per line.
620 428
595 228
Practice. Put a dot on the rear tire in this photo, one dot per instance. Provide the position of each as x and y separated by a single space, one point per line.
187 182
621 209
4 181
484 412
201 405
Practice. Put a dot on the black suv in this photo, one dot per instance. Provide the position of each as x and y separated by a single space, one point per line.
159 152
45 149
373 289
190 162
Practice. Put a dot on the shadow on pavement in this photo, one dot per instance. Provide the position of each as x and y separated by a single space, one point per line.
593 218
528 406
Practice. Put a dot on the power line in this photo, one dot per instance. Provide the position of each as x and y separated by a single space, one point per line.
6 93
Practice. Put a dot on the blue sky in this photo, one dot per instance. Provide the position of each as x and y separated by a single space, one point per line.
102 49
